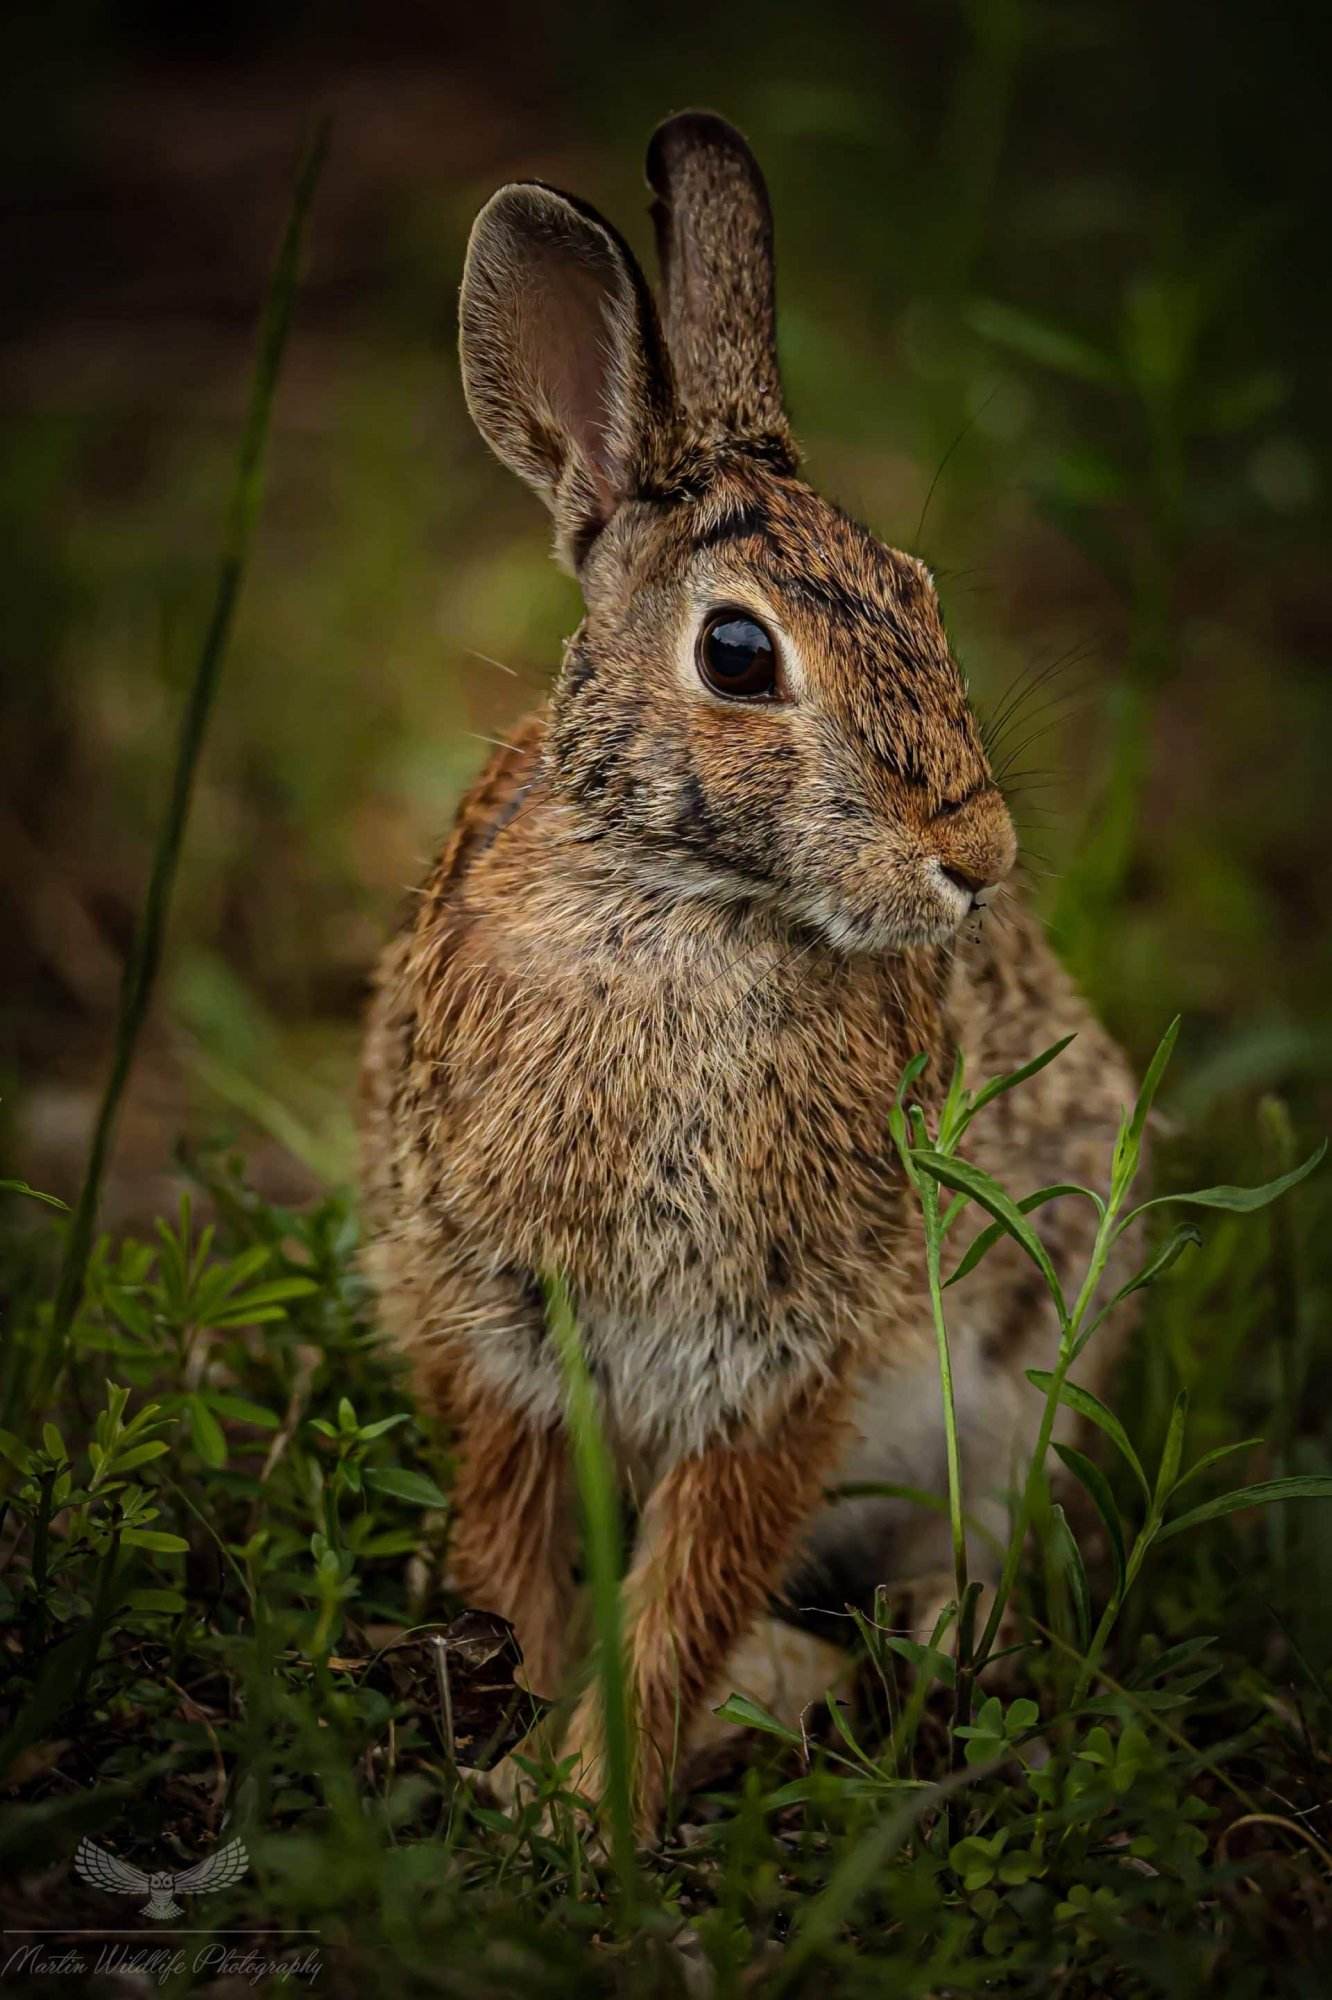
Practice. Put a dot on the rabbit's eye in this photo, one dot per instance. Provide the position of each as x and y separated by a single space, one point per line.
736 656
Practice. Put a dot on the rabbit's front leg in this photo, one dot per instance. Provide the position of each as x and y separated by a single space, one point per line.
717 1533
511 1550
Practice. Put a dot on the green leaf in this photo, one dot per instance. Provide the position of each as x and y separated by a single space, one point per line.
1128 1146
414 1487
209 1438
15 1451
887 1489
1098 1486
1049 346
33 1194
155 1538
1171 1452
383 1424
1071 1567
1183 1238
1211 1458
241 1410
971 1180
140 1454
990 1235
909 1076
276 1291
1304 1486
738 1708
169 1602
997 1085
927 1659
1096 1412
1235 1200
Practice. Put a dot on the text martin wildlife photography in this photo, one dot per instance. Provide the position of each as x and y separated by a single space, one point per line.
665 1270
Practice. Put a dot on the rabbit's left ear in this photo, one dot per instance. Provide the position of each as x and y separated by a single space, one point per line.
714 243
563 365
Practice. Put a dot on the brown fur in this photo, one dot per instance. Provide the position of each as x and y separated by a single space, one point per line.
645 1024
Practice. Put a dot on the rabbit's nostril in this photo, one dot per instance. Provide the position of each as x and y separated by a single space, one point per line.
970 885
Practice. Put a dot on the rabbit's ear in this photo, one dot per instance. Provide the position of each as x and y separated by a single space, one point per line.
563 365
714 240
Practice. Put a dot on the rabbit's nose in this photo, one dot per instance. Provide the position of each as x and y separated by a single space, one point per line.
977 847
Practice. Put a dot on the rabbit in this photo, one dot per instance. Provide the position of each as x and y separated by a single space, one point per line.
646 1020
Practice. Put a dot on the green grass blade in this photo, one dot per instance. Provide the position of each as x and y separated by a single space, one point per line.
146 951
598 1494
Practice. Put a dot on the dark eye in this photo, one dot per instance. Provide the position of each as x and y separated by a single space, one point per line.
736 656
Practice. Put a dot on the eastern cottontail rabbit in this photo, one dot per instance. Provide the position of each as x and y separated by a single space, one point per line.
646 1020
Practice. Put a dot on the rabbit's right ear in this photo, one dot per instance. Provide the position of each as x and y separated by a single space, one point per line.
563 365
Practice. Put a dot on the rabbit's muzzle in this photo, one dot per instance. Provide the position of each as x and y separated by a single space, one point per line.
974 848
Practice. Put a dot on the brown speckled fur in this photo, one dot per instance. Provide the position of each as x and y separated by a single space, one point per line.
645 1023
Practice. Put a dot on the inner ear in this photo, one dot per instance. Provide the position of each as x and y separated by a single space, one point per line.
562 361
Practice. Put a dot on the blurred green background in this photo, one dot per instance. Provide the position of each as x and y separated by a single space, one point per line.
1053 313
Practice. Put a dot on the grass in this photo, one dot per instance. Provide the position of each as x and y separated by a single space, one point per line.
223 1520
219 1599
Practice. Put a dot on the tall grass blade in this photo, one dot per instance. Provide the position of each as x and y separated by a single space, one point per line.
599 1498
146 951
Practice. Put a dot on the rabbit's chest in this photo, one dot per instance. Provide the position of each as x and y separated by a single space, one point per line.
718 1188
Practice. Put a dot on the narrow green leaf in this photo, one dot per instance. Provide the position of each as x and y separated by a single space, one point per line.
275 1291
157 1539
1128 1146
887 1489
384 1424
15 1451
998 1085
1235 1200
1183 1238
909 1075
927 1659
1172 1452
1304 1486
1071 1567
1211 1458
209 1438
747 1714
33 1194
403 1484
971 1180
1096 1412
240 1409
139 1454
1098 1486
1049 346
168 1602
990 1235
1151 1083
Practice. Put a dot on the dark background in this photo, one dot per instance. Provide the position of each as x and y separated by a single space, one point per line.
1059 271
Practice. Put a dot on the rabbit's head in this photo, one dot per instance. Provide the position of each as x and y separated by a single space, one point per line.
760 705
